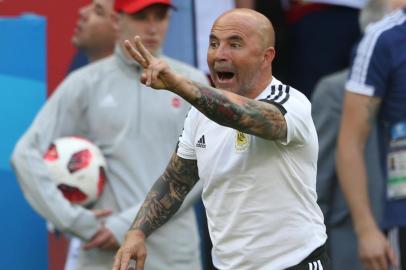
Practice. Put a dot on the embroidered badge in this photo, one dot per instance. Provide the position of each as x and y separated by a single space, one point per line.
242 141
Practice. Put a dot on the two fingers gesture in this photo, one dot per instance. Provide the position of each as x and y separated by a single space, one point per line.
157 74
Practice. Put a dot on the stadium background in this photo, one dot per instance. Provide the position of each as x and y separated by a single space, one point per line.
35 55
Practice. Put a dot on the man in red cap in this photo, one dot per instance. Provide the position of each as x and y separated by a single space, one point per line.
135 128
147 18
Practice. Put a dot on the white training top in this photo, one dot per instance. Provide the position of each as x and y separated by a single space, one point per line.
260 195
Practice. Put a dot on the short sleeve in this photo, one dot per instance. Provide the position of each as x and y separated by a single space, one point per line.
296 109
371 66
298 119
186 147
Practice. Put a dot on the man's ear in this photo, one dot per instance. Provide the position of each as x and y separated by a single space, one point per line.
114 17
269 54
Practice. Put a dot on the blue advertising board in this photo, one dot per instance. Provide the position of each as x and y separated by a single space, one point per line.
22 92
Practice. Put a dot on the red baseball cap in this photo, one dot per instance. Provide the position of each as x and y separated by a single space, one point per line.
133 6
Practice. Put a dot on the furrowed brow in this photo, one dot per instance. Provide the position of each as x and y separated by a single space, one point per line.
235 38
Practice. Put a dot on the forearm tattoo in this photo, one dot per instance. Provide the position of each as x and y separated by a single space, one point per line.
246 115
166 195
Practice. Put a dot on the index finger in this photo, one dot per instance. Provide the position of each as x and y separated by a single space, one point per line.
135 54
142 50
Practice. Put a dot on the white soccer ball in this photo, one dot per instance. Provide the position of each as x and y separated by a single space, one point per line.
78 168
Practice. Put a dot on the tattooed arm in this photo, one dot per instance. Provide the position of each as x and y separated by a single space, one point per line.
161 203
166 195
228 109
247 115
358 117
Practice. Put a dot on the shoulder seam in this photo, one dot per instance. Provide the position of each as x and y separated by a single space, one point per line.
368 45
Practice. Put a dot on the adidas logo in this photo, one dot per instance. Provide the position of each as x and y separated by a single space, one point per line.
108 101
201 142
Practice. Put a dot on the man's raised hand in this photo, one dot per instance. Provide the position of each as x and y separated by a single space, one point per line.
157 73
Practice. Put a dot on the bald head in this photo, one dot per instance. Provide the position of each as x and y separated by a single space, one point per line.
241 51
253 21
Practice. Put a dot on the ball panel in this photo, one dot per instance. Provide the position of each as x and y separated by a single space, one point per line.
102 181
51 154
73 194
79 160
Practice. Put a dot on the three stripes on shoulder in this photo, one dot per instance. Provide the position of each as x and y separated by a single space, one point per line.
279 93
316 265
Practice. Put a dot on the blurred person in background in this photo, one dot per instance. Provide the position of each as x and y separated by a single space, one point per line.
94 33
327 102
376 92
136 129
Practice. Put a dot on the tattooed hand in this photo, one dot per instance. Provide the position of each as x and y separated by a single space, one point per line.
157 74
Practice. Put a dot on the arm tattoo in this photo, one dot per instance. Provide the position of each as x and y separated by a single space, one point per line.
246 115
373 107
166 195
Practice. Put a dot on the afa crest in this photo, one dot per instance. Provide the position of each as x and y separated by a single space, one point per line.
242 141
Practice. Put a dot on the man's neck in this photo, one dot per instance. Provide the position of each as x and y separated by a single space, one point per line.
128 56
259 89
97 55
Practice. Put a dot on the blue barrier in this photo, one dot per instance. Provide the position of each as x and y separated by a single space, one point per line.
22 92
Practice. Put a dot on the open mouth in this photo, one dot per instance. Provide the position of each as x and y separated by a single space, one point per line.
150 42
225 76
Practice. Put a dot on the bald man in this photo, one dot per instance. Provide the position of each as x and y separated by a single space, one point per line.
254 146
